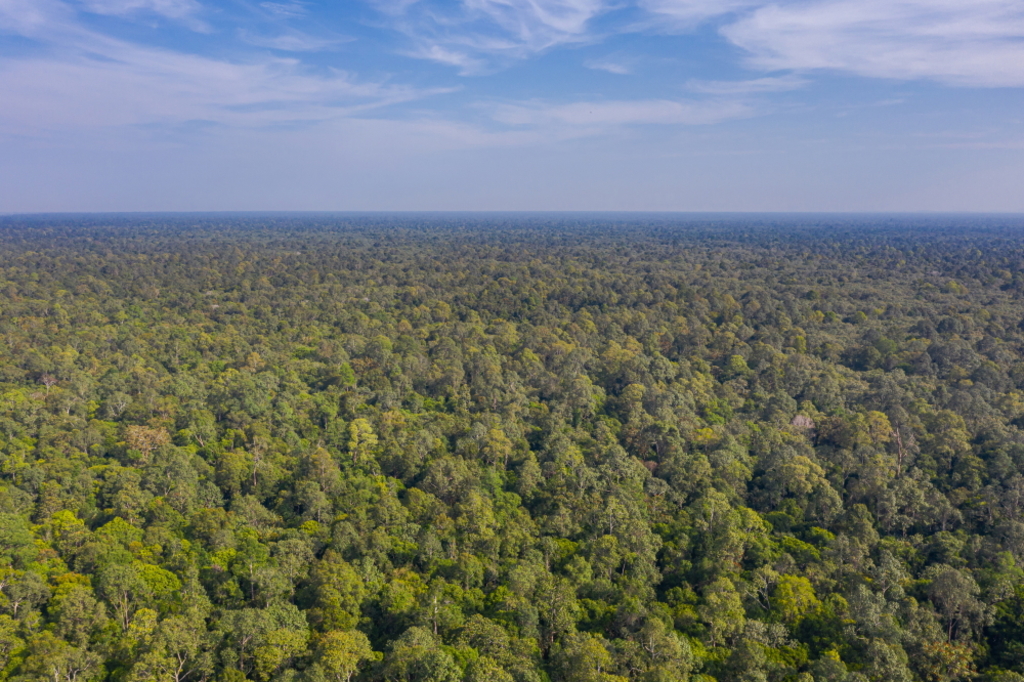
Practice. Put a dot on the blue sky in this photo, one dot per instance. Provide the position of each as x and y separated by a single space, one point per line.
732 105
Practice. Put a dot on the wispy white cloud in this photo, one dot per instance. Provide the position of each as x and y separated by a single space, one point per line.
442 55
88 79
588 117
167 88
537 24
976 43
619 67
685 14
292 41
183 11
393 7
286 10
474 34
31 18
748 87
168 8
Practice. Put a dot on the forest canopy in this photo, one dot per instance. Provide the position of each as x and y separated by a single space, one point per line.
537 448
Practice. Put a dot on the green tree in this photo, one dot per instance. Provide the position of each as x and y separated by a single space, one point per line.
341 652
722 610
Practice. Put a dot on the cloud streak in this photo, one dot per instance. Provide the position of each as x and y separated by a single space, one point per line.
619 67
474 35
183 11
590 117
685 14
88 79
748 87
292 41
977 43
32 18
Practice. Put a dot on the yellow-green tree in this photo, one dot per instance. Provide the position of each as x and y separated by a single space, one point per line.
794 598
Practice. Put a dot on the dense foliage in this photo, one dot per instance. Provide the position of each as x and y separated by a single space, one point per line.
522 449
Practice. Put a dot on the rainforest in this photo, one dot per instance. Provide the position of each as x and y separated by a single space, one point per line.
511 448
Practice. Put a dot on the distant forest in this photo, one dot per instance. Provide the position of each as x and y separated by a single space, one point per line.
538 448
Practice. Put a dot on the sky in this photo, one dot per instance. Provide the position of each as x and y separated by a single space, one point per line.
626 105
